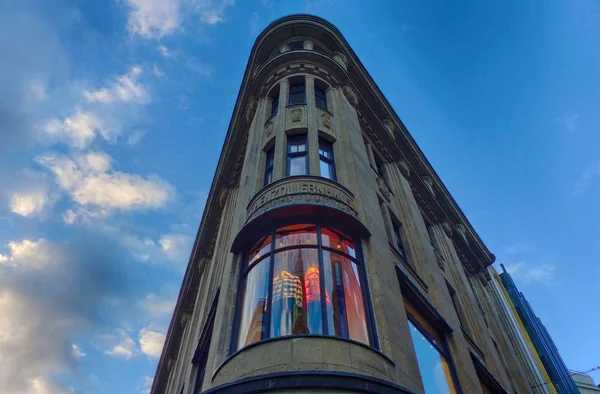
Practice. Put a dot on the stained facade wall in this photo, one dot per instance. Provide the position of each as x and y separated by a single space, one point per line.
435 259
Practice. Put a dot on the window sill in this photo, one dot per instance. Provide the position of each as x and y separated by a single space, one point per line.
294 105
408 267
472 343
290 337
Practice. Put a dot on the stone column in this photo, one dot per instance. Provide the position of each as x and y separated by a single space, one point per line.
311 123
280 137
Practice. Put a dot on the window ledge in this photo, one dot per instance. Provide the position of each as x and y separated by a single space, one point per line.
472 343
406 265
291 337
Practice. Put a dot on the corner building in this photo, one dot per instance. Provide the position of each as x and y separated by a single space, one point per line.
330 257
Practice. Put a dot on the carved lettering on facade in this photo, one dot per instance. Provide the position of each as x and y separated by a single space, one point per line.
296 114
302 191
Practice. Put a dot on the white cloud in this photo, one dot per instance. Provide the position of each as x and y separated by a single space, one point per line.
518 248
79 129
177 247
90 181
158 307
77 351
125 89
569 121
153 18
26 204
124 345
212 12
151 342
528 273
585 179
163 50
34 254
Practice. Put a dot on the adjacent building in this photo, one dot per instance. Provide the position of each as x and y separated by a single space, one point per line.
585 383
560 376
330 256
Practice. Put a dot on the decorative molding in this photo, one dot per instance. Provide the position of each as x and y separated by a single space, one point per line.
428 183
251 109
447 229
223 197
439 259
389 126
384 188
296 114
304 189
185 318
326 120
284 48
307 44
269 128
461 230
341 59
404 169
350 94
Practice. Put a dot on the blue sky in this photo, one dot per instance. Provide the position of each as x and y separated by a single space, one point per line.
112 117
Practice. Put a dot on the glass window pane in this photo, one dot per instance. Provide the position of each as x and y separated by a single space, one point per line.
275 105
261 248
325 169
254 311
297 234
346 314
337 240
297 165
434 368
296 293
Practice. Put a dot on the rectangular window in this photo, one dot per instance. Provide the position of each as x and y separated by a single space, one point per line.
326 161
297 94
398 239
200 358
432 354
320 98
269 167
297 156
275 105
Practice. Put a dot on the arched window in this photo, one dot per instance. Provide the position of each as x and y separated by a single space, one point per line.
299 280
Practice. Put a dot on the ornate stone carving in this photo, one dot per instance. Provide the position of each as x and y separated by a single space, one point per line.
389 126
383 187
462 231
350 94
301 190
185 318
447 229
404 169
269 128
223 197
296 114
439 259
251 109
284 48
341 59
429 184
326 120
307 44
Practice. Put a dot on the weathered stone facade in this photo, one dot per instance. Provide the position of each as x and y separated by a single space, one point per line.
383 182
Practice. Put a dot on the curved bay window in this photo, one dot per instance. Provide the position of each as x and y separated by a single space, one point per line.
302 279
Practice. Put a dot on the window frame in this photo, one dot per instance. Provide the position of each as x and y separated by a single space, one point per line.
322 95
274 105
290 155
247 267
295 85
398 238
330 161
269 167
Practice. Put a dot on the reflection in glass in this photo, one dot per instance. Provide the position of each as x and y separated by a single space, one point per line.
297 166
297 234
261 248
434 368
254 312
296 296
347 317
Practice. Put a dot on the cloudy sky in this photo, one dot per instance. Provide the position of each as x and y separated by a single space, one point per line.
112 117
